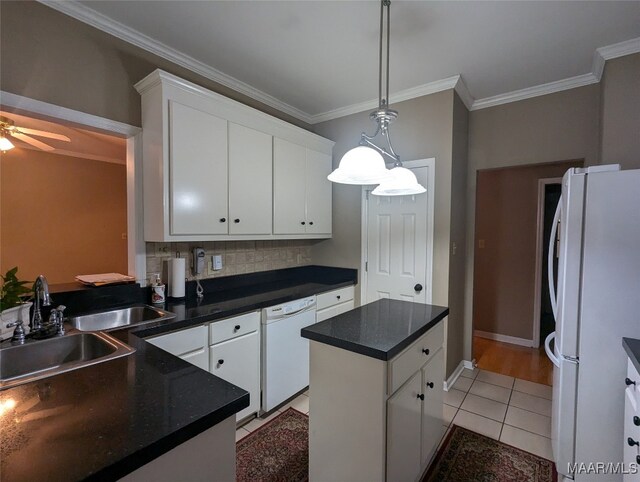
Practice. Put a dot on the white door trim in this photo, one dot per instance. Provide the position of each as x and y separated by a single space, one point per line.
366 190
535 336
136 247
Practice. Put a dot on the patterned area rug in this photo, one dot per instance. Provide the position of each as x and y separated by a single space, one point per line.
276 452
469 456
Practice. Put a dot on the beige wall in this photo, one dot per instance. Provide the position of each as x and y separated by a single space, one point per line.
52 57
506 222
457 256
61 216
424 129
550 128
621 112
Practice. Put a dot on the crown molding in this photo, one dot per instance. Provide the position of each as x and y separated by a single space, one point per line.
535 91
463 93
419 91
102 22
33 106
631 46
600 56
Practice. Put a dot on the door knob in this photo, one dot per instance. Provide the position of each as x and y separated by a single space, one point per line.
430 384
420 396
636 421
418 287
426 351
236 220
220 362
628 381
632 442
237 327
222 220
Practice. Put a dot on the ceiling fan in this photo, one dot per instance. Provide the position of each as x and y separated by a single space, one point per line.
9 129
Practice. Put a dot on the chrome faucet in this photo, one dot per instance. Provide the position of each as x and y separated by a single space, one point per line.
41 298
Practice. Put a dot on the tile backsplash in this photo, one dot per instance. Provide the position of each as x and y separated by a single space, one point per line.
238 257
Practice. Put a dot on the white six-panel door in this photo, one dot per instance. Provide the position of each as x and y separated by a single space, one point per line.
399 242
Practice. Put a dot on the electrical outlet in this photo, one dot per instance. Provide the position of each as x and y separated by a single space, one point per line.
216 262
163 250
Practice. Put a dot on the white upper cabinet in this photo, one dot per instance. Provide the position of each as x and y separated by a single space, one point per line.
198 167
289 188
250 181
213 169
318 192
302 192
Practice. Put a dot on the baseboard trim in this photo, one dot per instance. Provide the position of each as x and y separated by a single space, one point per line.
504 338
449 382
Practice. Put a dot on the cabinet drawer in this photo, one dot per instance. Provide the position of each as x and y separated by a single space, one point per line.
413 358
181 342
234 327
332 311
325 300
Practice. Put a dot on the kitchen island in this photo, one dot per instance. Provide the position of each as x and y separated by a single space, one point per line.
376 384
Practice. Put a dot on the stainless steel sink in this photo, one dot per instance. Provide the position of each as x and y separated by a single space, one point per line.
109 320
39 359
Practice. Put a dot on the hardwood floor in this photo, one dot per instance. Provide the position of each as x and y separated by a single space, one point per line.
517 361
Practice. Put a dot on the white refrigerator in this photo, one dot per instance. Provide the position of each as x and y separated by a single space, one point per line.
598 303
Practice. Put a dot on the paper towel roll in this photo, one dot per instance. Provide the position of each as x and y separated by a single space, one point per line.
176 272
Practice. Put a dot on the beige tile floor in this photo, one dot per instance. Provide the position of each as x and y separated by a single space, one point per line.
514 411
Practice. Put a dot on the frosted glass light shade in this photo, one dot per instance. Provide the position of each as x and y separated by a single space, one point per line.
360 165
401 182
5 144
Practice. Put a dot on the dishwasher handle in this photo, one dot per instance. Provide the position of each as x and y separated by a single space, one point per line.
301 310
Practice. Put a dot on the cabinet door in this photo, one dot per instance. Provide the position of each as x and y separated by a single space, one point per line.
403 431
250 181
289 187
432 387
238 361
199 358
318 195
197 171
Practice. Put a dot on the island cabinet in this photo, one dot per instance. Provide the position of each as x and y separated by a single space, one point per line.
208 168
376 410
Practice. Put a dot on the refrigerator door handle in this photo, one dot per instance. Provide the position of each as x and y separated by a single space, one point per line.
548 349
552 240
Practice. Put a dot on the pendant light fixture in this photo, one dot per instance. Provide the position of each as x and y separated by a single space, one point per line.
365 164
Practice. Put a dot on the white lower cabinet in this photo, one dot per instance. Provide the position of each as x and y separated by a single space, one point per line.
414 421
631 453
403 431
234 356
190 345
375 420
334 303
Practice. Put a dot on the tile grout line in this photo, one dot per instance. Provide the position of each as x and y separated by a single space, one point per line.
505 412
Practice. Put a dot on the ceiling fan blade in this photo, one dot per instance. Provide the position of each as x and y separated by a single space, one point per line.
32 141
49 135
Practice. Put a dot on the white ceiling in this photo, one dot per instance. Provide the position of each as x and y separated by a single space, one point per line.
320 56
83 143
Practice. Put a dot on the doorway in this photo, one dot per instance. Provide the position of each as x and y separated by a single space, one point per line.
397 241
549 191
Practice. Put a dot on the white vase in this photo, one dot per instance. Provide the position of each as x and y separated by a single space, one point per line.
20 312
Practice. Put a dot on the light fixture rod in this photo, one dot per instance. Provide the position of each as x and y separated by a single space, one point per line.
387 3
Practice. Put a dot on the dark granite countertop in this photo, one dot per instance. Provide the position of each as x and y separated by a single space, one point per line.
381 329
632 347
103 421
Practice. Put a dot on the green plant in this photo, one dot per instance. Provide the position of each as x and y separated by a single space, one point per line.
12 290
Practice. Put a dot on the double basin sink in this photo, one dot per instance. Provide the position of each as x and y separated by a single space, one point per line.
87 345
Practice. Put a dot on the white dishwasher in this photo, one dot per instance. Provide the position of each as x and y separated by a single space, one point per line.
285 354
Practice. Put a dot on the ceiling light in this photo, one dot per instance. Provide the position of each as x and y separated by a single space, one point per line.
364 164
401 182
5 144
